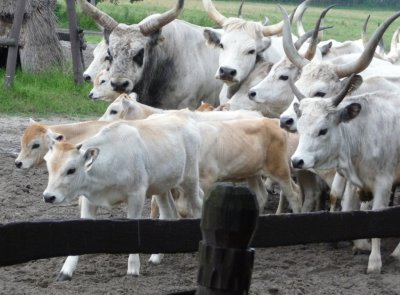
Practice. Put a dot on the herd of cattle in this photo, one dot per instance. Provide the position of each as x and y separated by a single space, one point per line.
311 116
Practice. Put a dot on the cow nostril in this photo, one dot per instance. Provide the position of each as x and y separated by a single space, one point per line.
90 95
49 199
233 73
221 70
18 164
125 84
252 94
289 122
87 78
298 163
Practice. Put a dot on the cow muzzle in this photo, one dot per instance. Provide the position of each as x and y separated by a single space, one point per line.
227 74
121 85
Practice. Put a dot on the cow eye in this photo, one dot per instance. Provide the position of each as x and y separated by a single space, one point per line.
320 94
138 58
283 77
71 171
35 146
102 82
113 112
322 131
251 51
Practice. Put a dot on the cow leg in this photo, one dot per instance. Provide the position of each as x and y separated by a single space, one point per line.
88 210
337 190
256 184
167 211
135 209
282 204
381 195
154 210
351 202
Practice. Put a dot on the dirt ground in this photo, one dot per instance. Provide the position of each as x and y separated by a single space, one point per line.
303 269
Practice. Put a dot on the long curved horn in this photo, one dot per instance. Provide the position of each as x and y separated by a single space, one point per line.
287 41
342 94
314 41
364 36
299 23
307 35
365 59
294 16
395 40
156 23
213 13
296 90
101 18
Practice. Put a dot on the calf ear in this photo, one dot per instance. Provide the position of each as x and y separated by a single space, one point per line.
53 137
349 112
212 37
90 156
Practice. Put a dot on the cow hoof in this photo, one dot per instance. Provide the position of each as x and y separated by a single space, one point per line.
63 277
374 268
133 274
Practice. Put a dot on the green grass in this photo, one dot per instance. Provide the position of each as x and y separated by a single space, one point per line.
54 93
47 94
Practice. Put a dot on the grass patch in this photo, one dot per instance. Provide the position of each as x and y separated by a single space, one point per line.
45 94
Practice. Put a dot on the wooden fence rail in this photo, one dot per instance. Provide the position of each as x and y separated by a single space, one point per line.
25 241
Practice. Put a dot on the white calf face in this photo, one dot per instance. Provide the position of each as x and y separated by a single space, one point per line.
288 119
125 107
274 89
100 62
319 135
33 146
67 166
102 89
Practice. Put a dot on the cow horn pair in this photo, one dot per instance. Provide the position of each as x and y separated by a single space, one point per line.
147 28
269 30
348 83
290 49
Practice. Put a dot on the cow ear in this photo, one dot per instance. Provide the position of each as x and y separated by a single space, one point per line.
349 112
31 121
53 137
265 44
126 104
90 156
213 38
325 48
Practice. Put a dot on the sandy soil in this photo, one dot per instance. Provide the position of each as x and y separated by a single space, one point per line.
303 269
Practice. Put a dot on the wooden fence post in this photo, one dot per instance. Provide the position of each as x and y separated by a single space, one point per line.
13 48
75 44
228 224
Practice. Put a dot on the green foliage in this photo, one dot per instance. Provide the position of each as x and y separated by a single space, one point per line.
49 93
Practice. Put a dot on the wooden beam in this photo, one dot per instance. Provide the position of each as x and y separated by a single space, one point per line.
25 241
8 42
13 50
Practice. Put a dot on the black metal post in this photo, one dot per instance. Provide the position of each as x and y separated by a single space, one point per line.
228 224
13 49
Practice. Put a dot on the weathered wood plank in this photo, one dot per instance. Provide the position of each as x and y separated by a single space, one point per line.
74 39
25 241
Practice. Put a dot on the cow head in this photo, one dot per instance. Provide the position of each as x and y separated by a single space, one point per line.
100 62
318 127
324 79
274 89
129 46
34 145
102 89
125 107
68 166
240 43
